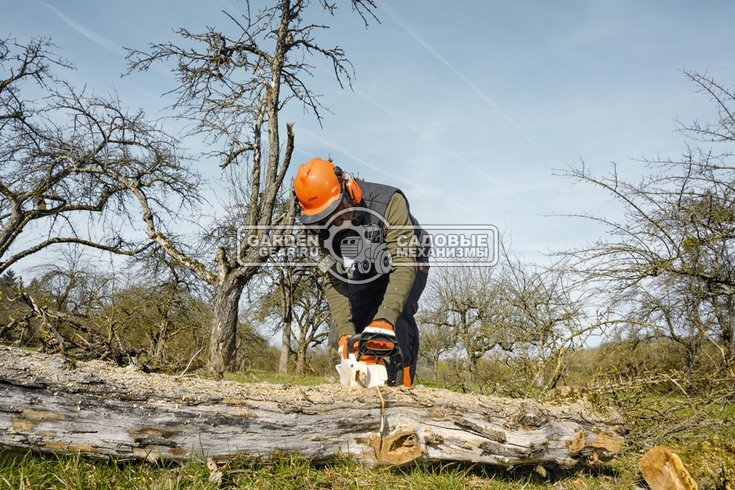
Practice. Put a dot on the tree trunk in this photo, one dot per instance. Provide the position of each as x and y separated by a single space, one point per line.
158 341
49 404
223 338
301 357
539 377
472 361
285 348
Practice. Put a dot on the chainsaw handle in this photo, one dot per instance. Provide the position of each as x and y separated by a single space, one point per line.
351 341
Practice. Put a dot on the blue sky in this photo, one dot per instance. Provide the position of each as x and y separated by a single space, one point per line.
465 105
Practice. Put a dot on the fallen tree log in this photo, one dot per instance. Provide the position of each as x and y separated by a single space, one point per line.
51 404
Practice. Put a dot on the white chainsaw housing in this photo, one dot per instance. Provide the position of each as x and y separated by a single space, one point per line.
354 373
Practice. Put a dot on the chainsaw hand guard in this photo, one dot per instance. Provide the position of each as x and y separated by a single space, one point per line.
378 345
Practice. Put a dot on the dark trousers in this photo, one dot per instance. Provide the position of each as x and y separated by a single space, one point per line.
365 299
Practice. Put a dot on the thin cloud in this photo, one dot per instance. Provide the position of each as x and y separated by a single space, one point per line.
490 102
416 186
458 156
328 144
96 38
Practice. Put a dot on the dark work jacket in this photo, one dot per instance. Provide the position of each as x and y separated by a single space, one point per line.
394 210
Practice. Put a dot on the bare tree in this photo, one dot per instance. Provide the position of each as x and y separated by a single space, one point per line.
436 340
547 321
232 88
161 318
62 155
467 305
294 302
530 318
288 285
667 266
62 311
311 316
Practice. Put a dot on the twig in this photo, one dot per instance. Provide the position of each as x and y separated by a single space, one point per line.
190 361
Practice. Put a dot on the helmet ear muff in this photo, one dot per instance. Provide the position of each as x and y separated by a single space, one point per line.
349 186
354 191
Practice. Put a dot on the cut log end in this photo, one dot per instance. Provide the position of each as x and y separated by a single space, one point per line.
399 447
663 470
48 404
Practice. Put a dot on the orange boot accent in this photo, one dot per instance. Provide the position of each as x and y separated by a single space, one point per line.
407 381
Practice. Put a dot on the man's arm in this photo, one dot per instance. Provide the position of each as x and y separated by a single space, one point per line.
400 280
339 304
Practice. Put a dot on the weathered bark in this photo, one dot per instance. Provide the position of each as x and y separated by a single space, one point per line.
223 337
285 348
285 291
49 404
301 357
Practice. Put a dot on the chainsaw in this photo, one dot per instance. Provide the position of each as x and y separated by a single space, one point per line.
375 362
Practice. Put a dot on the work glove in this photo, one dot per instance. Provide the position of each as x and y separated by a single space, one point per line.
378 340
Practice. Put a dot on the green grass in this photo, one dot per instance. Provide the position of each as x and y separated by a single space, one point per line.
33 471
701 430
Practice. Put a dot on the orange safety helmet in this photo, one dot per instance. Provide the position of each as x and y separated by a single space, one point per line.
319 186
